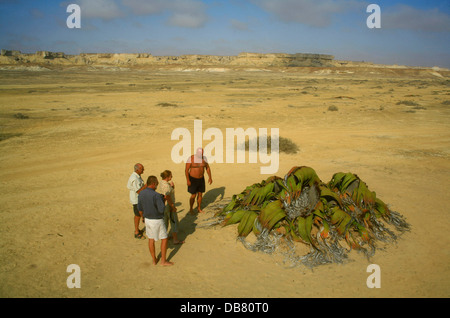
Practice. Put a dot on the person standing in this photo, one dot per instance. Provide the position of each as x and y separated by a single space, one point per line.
170 211
195 177
136 185
151 207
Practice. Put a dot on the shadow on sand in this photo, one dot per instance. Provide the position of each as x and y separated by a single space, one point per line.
187 224
212 195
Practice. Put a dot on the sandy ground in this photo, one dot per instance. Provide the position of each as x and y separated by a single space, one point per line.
69 140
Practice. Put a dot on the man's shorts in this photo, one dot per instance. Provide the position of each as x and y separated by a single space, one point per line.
197 185
155 229
136 210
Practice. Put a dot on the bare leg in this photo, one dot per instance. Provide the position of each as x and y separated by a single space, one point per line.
175 239
136 224
151 247
191 203
199 202
164 262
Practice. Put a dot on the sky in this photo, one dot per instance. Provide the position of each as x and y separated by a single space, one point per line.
414 33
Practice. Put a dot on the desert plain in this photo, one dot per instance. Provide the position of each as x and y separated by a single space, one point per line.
71 136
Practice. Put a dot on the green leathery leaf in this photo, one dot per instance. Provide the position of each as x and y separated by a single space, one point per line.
249 198
304 226
380 208
275 219
246 224
230 205
268 211
306 176
344 224
235 217
319 210
348 179
336 179
291 184
278 186
337 215
362 194
329 195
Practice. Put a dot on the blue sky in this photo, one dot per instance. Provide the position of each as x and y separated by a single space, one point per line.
412 32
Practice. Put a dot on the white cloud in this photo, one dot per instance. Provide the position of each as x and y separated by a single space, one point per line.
148 7
101 9
182 13
317 13
188 13
187 20
408 18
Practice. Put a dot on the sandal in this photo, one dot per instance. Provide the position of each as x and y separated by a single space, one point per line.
139 236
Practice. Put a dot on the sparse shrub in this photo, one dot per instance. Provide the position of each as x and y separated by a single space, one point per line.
333 108
164 104
407 103
285 145
21 116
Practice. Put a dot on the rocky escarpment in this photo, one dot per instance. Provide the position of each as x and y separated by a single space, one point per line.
10 57
315 63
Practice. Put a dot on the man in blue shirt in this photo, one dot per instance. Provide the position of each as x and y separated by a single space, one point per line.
151 207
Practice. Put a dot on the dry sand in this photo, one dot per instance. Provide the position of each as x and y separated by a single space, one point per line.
70 139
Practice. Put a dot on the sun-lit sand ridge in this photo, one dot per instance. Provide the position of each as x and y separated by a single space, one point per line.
72 131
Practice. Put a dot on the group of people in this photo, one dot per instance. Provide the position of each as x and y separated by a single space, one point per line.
157 209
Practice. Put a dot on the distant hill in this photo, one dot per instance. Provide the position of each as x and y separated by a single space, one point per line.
41 60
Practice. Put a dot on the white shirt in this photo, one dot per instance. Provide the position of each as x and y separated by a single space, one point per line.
135 182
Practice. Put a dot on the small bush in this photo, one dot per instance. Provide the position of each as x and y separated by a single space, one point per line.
407 103
20 116
166 105
333 108
284 145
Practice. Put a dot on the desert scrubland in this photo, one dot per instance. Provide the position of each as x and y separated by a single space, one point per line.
70 137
